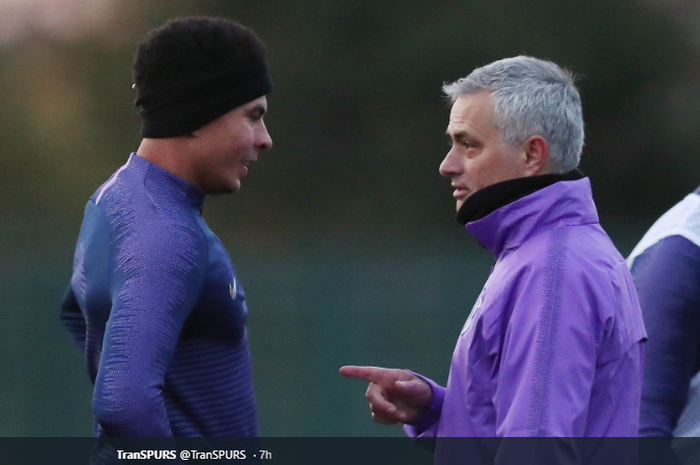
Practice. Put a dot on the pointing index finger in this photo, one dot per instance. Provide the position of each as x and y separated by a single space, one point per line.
370 374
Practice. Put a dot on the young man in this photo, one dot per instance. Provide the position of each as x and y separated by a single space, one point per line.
154 302
553 345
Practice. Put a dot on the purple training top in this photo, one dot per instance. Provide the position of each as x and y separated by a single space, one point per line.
554 343
155 306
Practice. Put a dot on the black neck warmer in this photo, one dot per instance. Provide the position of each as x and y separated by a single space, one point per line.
179 109
495 196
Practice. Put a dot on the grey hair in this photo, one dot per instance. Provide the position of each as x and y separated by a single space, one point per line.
530 97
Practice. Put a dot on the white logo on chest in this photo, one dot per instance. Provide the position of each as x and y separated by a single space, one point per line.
233 289
472 314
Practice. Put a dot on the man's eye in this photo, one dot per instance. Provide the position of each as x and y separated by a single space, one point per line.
256 115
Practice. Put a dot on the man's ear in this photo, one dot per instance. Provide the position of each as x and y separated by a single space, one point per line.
536 156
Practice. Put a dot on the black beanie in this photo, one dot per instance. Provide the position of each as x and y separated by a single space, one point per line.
182 107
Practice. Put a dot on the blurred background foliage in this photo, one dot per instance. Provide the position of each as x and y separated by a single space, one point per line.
344 235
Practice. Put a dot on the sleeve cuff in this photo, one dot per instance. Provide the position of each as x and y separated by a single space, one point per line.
431 416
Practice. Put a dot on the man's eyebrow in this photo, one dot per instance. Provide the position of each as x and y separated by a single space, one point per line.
456 134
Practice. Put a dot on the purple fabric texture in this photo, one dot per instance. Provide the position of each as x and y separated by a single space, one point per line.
554 343
155 306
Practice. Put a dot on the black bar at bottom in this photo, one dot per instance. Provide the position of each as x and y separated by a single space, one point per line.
341 451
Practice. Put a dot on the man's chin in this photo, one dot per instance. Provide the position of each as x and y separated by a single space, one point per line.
225 189
461 201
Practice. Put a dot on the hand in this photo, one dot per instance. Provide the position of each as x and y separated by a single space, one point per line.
394 395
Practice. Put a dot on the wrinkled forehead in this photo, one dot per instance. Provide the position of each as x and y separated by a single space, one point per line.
471 110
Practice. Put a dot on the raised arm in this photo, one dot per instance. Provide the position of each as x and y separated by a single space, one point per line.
395 396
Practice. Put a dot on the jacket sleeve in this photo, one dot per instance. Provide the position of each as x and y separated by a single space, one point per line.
667 277
548 353
156 280
426 425
72 318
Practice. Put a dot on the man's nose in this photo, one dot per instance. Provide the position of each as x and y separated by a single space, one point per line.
450 165
264 141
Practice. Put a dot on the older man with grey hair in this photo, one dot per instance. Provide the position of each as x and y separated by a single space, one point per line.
554 343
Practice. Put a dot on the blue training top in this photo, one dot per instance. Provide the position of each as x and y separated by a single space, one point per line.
155 305
666 269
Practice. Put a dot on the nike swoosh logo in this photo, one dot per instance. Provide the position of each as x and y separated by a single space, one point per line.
233 289
472 315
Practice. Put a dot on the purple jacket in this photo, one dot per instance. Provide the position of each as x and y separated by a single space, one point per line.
553 345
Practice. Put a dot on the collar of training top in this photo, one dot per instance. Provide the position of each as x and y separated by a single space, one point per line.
495 196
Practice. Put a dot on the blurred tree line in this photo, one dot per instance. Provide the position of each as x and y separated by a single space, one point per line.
357 115
358 120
